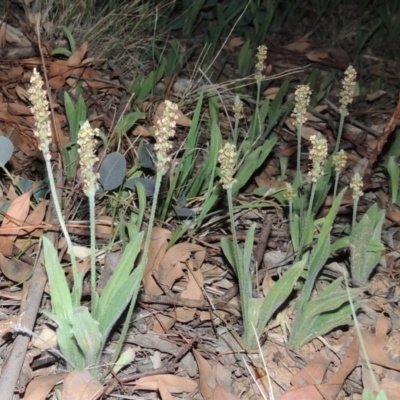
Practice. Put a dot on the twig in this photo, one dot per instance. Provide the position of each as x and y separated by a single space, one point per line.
353 121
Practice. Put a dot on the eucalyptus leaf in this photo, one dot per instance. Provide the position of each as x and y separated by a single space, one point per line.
112 171
148 185
6 150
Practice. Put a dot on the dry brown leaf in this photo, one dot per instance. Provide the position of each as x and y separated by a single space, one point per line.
170 269
299 46
16 215
81 385
233 43
261 182
77 58
313 373
317 56
375 95
18 109
271 92
15 270
312 390
302 393
220 393
163 390
375 345
158 247
25 143
164 322
104 226
36 217
39 388
175 384
140 130
15 72
22 93
205 372
192 291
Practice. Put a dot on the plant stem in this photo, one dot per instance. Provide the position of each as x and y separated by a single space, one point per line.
336 185
354 221
307 222
141 266
95 297
341 123
238 260
299 128
77 289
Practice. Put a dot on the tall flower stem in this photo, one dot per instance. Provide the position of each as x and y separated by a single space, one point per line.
43 132
164 130
341 124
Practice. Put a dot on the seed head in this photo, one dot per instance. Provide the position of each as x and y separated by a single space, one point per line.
238 107
260 65
318 155
356 185
227 159
165 128
301 102
40 111
339 160
86 143
347 93
290 193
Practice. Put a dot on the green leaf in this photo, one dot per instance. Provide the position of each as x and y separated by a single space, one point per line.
252 162
278 294
246 60
61 51
127 122
227 246
365 244
67 343
59 292
118 279
110 313
70 38
87 334
332 288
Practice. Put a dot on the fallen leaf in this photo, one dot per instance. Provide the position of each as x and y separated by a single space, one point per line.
375 345
375 95
313 372
175 384
234 43
170 269
158 247
40 387
300 45
205 372
15 270
81 385
192 291
11 226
